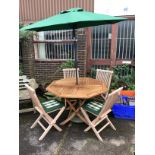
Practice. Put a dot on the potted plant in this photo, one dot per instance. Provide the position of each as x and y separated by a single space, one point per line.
124 76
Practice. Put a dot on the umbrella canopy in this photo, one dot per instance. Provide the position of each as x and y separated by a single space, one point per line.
72 19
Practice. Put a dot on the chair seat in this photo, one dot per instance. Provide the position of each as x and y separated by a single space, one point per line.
93 106
49 94
52 105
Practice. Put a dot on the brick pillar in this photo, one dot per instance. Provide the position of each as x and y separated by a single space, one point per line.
28 57
82 54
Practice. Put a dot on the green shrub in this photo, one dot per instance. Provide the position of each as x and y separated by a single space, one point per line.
124 75
24 35
93 72
67 64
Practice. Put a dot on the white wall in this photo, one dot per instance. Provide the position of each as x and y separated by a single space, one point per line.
114 7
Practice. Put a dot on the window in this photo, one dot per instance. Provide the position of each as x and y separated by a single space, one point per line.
101 41
51 45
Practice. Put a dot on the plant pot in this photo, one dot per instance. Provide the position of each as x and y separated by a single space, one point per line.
129 93
123 111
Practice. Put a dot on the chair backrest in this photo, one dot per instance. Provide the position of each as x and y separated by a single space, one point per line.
70 72
34 98
104 76
111 99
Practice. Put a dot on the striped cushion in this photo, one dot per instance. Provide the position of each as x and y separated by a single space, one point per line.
48 94
52 105
93 106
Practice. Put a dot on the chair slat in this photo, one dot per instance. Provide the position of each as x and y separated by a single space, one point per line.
70 72
104 76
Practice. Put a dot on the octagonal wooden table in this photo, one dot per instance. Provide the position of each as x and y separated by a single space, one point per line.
67 89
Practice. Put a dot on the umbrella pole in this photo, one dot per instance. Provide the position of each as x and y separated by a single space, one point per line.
75 50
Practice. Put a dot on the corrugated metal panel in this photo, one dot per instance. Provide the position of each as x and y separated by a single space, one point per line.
34 10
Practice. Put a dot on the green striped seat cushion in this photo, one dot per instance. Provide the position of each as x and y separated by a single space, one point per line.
52 105
49 94
42 99
93 106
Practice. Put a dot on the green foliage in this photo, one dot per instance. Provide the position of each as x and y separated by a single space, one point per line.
93 72
67 64
25 34
124 75
131 87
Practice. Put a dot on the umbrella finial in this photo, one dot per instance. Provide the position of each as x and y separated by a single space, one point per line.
72 10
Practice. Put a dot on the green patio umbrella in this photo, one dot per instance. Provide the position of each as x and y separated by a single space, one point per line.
72 19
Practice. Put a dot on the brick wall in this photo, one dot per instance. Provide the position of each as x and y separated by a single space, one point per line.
44 71
28 57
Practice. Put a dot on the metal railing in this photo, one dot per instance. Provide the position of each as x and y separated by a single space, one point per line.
55 45
101 41
57 48
100 67
126 40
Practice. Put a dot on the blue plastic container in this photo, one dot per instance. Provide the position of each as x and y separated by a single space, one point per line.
123 111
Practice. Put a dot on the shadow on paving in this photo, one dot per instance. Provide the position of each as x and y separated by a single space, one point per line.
73 141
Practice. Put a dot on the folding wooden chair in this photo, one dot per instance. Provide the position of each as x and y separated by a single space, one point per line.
101 111
45 108
104 76
70 72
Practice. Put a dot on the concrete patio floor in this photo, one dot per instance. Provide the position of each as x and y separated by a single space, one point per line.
73 141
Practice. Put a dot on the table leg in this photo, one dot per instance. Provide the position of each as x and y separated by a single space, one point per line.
70 110
75 112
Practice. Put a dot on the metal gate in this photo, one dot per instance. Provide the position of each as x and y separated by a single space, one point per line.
111 45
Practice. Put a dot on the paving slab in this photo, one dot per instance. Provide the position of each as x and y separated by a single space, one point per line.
73 141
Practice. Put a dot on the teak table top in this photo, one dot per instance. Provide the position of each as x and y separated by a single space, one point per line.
87 88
